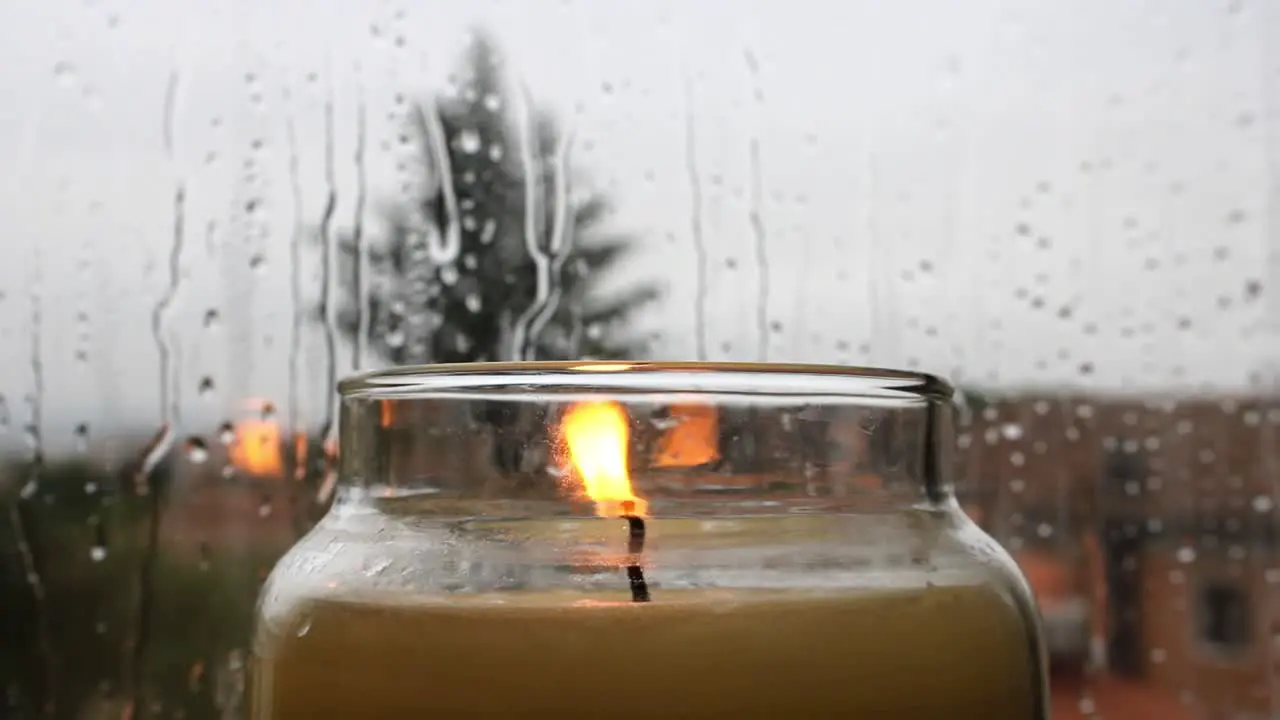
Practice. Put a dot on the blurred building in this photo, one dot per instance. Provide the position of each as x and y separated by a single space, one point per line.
1148 531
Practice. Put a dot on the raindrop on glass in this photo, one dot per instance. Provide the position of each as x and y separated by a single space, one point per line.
469 141
196 450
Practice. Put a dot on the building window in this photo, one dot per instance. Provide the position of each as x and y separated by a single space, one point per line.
1224 617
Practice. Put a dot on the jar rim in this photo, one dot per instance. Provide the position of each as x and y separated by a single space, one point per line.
657 376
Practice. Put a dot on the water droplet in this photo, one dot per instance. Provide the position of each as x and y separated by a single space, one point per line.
448 275
226 433
304 627
206 385
1011 431
1186 554
82 437
64 71
210 317
90 488
196 450
264 510
268 411
98 553
257 261
469 141
473 302
1262 504
492 102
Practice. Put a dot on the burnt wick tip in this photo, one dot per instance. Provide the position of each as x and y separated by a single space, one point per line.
635 546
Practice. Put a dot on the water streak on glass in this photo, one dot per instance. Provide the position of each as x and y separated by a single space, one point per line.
160 319
48 690
328 258
548 262
694 176
295 267
758 235
443 244
361 260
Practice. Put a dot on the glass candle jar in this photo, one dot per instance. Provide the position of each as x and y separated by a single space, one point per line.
646 540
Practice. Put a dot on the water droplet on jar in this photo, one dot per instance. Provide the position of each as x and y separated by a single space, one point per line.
1011 431
473 302
492 102
82 437
206 385
226 433
268 411
98 553
304 627
448 275
210 318
1262 503
1186 554
264 510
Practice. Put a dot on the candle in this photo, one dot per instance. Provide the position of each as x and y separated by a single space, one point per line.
756 633
910 654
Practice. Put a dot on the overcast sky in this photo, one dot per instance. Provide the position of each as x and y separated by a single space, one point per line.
1061 193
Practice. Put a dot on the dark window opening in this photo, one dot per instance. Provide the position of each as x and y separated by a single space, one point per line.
1224 616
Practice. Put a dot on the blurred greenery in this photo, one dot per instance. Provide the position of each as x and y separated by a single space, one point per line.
69 650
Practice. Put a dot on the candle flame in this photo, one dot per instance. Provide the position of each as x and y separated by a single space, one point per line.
596 435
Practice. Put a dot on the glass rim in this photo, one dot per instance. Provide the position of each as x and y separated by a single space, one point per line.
736 378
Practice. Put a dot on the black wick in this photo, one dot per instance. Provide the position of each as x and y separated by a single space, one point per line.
635 547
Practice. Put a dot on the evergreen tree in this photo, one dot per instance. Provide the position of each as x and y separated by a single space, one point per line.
482 196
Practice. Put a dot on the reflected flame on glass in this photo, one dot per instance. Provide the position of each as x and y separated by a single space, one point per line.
693 439
596 435
603 367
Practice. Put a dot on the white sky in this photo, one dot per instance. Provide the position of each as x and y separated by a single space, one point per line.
939 181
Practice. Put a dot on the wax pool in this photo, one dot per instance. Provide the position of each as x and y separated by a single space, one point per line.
900 654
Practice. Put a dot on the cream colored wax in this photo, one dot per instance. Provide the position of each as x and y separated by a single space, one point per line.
902 654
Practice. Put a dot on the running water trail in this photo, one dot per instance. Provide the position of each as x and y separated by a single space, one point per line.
693 173
47 698
360 268
760 239
548 262
328 241
146 481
